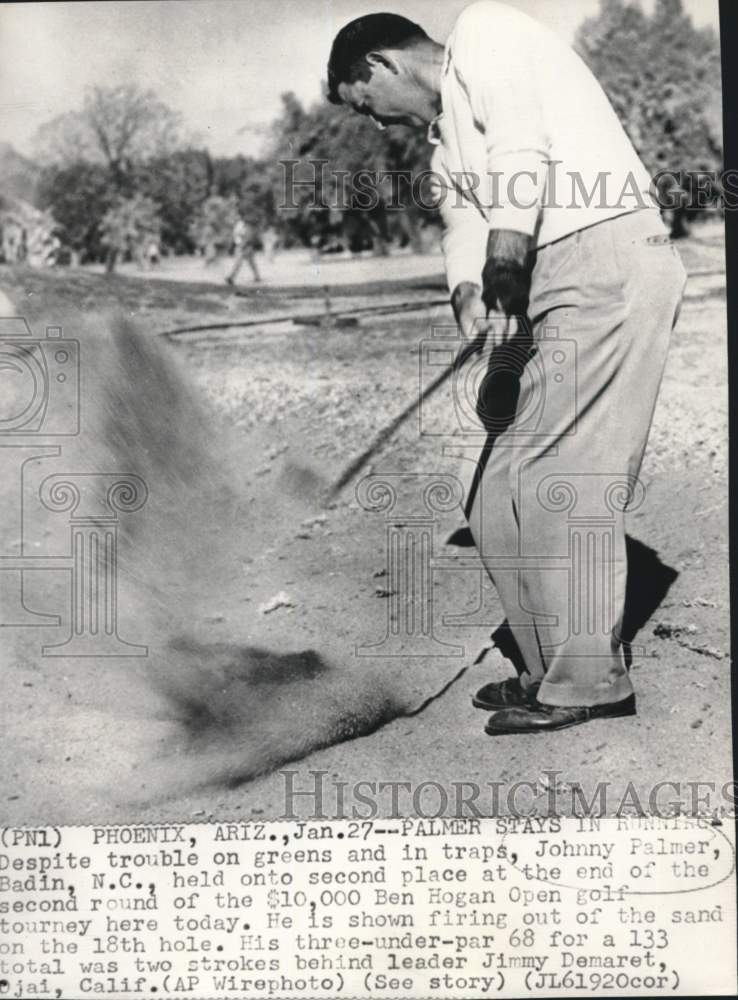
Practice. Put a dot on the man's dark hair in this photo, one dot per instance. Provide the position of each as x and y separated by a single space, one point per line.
347 61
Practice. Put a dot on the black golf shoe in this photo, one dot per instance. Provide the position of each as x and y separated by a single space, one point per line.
539 718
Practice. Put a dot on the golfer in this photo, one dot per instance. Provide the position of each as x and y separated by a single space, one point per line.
556 254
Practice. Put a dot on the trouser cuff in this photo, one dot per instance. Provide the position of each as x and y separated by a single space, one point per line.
567 695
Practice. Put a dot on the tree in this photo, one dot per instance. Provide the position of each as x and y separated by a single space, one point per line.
662 75
117 126
179 183
128 226
250 181
95 152
351 146
19 174
212 228
79 196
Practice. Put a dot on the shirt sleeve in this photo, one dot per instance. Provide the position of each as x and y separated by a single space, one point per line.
464 239
492 58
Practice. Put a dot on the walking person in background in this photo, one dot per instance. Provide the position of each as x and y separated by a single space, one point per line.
153 254
577 294
246 243
270 241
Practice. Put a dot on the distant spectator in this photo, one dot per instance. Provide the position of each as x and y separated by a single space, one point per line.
153 255
210 251
14 247
246 243
51 250
270 241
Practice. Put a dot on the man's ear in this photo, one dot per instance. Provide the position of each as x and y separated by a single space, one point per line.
382 59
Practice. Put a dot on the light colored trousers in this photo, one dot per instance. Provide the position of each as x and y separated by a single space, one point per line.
547 505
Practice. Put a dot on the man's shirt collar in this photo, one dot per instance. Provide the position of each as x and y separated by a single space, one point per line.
434 130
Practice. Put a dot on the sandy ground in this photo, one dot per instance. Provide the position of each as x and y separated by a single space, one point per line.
291 267
88 739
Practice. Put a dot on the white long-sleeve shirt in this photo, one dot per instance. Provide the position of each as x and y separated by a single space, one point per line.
527 139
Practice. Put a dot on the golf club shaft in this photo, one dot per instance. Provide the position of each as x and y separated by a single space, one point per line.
358 463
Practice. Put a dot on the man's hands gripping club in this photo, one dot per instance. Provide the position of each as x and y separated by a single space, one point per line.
507 272
505 290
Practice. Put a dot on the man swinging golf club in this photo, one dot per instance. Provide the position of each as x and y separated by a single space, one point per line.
582 284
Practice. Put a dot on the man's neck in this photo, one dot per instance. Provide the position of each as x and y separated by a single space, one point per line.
426 70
